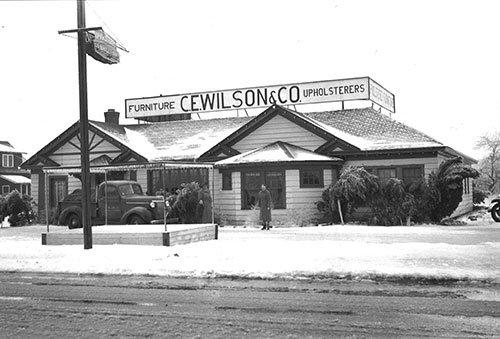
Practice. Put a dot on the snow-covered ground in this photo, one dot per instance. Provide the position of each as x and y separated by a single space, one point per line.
442 252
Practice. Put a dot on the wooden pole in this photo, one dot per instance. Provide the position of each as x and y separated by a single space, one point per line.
84 133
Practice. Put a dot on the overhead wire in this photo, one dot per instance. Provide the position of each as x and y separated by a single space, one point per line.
119 44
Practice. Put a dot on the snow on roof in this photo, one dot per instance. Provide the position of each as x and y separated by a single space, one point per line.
276 152
366 129
15 179
369 129
6 147
173 140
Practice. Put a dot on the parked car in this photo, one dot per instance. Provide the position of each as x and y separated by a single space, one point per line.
124 201
494 209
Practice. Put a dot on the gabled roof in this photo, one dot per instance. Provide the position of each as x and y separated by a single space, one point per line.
6 147
173 140
353 131
276 152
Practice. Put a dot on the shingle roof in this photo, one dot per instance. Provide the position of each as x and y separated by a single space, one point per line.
173 140
366 128
374 130
278 151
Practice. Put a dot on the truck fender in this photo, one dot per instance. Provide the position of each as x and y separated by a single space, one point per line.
67 211
143 212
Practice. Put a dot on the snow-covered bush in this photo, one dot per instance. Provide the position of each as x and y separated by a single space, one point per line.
19 209
479 195
391 202
448 180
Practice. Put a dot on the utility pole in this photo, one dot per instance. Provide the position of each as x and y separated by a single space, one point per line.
84 125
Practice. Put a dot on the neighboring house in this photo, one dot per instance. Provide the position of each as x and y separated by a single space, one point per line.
11 176
296 155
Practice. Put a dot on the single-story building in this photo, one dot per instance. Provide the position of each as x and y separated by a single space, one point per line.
297 155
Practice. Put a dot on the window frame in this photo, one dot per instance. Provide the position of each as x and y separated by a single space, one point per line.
399 170
227 181
3 189
6 159
321 177
263 175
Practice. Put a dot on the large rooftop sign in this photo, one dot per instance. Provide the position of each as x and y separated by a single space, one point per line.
257 97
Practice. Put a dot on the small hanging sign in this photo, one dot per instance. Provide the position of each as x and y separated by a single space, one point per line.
102 47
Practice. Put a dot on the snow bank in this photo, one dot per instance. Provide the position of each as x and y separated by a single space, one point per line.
328 252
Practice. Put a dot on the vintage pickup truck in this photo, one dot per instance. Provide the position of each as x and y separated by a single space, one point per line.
125 203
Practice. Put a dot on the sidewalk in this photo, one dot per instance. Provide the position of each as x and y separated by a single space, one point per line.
358 252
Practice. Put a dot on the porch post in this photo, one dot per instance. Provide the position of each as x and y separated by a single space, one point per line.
105 196
213 193
46 197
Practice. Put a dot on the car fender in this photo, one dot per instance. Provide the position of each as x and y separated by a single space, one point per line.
143 212
72 209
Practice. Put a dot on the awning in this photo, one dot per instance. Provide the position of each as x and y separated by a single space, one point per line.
126 167
16 179
277 152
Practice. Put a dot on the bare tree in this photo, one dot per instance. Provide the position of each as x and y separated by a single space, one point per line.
490 164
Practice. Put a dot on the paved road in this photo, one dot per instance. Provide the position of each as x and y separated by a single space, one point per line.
63 305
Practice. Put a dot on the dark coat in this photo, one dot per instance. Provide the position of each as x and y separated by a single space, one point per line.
205 198
265 205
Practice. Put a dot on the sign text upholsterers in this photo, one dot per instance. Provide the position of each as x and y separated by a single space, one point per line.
258 97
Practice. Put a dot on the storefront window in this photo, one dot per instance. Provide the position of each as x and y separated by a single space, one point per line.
252 181
311 178
386 173
412 174
169 180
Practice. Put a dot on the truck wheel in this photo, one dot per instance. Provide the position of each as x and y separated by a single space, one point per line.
495 212
73 221
136 220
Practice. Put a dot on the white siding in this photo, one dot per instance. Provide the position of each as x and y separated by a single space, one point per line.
34 187
279 129
142 179
68 155
298 200
430 164
69 148
73 183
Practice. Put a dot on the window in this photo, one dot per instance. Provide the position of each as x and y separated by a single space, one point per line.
227 182
386 173
466 185
311 178
128 189
156 181
274 181
58 190
412 174
7 160
5 189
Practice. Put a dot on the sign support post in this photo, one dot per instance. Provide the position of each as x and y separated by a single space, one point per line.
84 126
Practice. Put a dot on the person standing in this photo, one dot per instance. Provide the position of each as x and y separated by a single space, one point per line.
265 203
205 203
